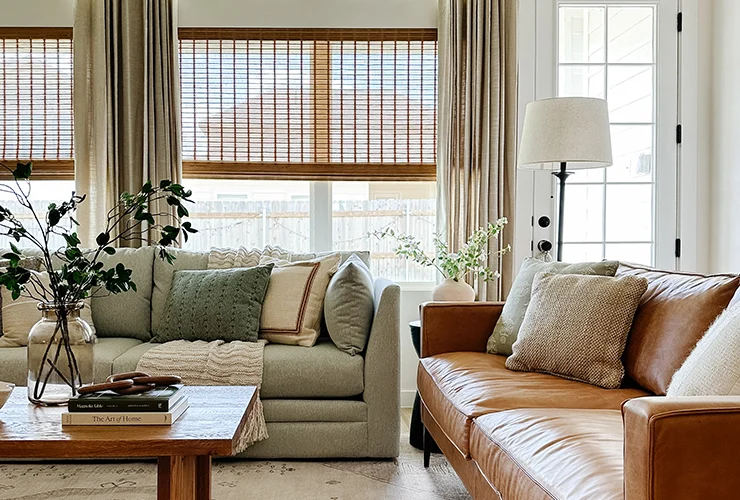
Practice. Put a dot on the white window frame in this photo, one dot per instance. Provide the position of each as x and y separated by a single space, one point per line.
676 198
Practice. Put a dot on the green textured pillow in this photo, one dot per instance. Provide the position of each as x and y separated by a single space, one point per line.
215 304
507 327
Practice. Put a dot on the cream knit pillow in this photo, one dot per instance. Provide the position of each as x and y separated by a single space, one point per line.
713 367
576 327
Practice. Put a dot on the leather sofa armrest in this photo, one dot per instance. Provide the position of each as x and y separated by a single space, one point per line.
681 448
457 326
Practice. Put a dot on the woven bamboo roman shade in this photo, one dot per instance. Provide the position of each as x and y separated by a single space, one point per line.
36 100
310 104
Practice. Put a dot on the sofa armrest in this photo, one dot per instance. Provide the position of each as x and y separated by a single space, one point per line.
457 326
681 448
383 372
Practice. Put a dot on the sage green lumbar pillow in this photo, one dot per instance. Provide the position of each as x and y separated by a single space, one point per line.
507 327
349 305
215 304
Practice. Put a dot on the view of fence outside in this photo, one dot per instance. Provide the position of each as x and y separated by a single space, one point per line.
287 224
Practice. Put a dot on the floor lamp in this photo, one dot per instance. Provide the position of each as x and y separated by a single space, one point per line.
562 133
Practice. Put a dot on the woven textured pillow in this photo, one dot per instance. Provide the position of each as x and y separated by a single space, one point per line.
295 300
713 367
576 327
507 327
215 304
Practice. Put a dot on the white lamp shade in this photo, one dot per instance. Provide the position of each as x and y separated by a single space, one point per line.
566 129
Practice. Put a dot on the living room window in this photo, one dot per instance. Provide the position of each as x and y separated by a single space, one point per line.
622 51
311 138
36 115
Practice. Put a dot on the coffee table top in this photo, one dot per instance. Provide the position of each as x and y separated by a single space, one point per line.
210 426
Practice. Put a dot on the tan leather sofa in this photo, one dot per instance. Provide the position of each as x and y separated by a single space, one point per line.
529 436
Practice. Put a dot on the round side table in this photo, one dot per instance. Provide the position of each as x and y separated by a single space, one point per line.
416 429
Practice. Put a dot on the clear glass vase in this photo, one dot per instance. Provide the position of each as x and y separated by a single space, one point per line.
60 354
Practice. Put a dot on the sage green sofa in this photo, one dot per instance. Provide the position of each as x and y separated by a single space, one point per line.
319 402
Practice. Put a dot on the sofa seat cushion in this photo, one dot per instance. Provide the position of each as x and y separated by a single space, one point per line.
551 453
321 371
460 386
13 364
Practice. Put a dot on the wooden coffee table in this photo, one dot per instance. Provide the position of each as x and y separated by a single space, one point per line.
216 417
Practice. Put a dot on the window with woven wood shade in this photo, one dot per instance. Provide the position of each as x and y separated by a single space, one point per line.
36 114
309 104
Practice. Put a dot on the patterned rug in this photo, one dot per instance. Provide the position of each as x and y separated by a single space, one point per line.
404 478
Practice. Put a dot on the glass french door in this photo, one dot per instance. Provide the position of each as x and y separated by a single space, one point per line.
626 53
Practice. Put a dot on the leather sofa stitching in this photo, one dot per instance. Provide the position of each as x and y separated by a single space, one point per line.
465 455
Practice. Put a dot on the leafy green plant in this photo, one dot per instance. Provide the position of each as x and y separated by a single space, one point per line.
470 258
76 273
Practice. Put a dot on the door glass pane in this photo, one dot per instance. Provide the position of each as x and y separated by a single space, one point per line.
584 213
629 213
630 94
582 253
608 51
632 149
582 81
635 253
631 34
581 35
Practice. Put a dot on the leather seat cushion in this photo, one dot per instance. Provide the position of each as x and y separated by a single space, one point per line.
674 313
460 386
551 453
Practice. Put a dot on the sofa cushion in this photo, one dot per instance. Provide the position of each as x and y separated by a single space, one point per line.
215 304
163 274
322 371
576 327
551 453
127 314
674 313
460 386
13 365
507 327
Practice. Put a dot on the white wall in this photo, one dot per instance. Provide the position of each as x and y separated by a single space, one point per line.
309 13
36 12
725 138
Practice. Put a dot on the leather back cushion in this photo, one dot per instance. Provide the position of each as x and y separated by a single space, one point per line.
674 313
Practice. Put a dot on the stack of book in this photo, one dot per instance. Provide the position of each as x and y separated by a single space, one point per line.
156 407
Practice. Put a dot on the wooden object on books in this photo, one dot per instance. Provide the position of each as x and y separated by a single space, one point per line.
210 427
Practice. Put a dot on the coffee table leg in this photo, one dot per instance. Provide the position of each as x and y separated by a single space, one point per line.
184 478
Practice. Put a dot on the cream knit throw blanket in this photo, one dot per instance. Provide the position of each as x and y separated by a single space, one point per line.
214 363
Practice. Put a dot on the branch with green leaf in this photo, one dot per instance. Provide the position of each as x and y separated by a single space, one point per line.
76 273
471 258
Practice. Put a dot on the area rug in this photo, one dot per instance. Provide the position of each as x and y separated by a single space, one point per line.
405 478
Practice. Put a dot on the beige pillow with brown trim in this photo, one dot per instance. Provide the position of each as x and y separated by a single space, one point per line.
294 303
21 314
576 327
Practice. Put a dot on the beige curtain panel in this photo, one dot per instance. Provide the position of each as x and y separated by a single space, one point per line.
127 102
476 158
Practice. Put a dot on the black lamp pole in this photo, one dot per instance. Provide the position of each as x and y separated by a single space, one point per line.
562 175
